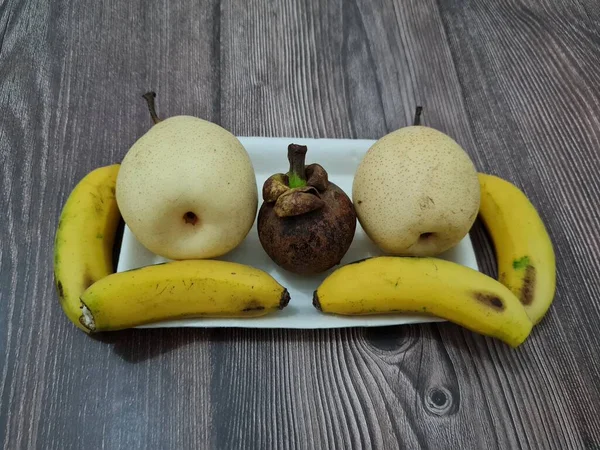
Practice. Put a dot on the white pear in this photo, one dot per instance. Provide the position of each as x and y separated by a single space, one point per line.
416 192
187 188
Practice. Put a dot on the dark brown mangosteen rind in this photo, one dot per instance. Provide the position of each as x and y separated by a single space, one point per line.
313 242
306 223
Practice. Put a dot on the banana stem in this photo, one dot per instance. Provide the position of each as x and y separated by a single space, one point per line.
297 173
149 97
417 120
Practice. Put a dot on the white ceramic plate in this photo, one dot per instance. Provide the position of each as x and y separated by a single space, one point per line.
340 157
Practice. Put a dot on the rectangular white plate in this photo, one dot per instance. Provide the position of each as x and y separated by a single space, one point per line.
340 157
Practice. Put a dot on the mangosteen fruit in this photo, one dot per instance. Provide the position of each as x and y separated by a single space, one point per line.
306 223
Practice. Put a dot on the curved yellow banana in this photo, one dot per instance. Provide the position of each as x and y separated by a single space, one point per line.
178 290
428 286
84 239
526 261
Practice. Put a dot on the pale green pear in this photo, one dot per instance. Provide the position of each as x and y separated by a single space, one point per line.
187 189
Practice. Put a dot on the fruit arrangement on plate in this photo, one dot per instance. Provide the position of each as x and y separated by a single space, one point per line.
187 190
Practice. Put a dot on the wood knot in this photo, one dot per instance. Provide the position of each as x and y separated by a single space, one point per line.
393 339
439 401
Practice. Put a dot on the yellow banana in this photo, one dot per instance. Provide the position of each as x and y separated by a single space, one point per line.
84 239
178 290
526 261
430 286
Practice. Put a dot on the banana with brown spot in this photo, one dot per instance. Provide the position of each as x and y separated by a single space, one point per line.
526 261
180 290
84 239
430 286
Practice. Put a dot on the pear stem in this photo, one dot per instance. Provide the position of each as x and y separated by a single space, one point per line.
149 97
297 173
418 112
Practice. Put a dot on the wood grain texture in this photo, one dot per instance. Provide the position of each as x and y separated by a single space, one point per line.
543 133
514 82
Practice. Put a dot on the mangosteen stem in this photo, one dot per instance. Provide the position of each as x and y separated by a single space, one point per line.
149 97
297 173
418 112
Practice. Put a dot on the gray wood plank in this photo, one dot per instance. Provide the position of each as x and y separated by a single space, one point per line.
529 81
72 75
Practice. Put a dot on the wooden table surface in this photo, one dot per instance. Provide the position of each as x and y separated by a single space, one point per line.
516 83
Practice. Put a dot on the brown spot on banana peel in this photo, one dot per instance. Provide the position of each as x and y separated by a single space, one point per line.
490 300
60 290
502 278
528 288
253 306
298 201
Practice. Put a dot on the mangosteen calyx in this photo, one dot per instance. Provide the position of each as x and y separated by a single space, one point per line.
299 191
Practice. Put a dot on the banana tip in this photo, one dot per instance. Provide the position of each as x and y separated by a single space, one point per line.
87 319
316 302
285 299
